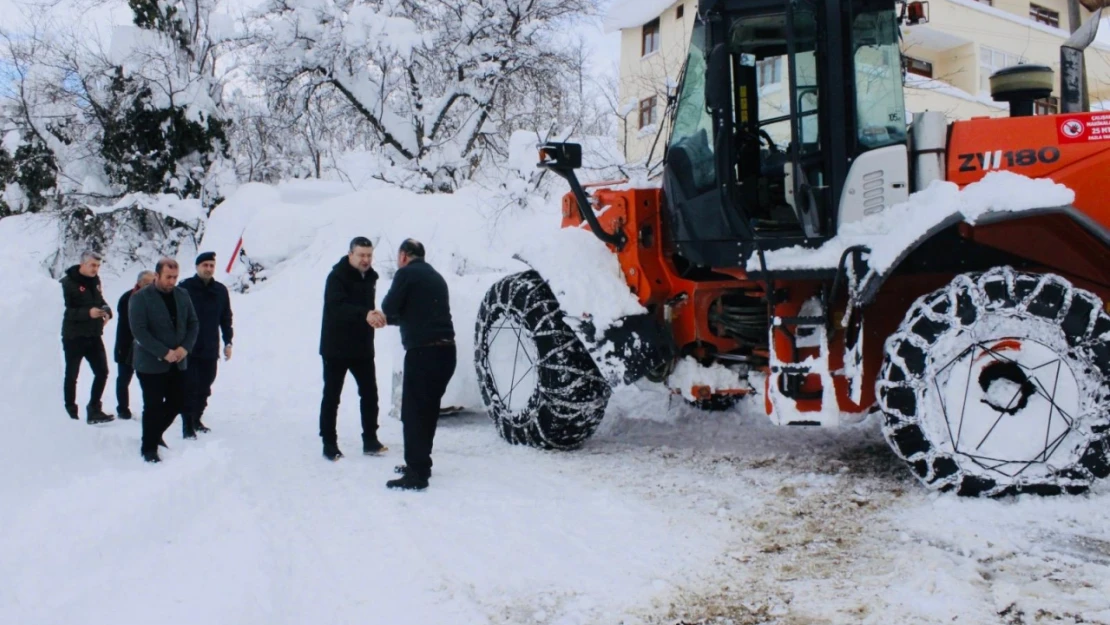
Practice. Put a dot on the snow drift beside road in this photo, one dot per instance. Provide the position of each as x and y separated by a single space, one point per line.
298 230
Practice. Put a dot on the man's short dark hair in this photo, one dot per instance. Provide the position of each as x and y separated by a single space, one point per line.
360 242
413 248
165 263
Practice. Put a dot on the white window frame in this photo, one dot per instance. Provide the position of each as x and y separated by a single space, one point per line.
992 60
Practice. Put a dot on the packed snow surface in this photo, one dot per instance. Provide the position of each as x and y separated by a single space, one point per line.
666 515
892 232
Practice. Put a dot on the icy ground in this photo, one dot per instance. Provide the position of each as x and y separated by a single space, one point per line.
668 515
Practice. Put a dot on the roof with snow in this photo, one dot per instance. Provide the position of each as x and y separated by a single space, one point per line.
633 13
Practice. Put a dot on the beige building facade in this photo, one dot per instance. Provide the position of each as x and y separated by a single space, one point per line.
947 61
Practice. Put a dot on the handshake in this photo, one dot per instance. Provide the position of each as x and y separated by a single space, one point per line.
376 319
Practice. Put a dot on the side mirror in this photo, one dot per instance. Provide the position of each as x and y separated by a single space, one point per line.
564 156
718 91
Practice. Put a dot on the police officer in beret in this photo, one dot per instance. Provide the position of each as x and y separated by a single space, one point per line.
213 305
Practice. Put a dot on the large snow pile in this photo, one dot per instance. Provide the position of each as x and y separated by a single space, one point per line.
293 233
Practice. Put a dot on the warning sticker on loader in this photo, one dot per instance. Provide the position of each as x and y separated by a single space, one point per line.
1084 129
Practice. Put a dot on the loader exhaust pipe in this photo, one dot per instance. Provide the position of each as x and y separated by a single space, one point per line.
1073 89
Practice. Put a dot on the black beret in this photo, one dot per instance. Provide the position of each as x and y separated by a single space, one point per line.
206 256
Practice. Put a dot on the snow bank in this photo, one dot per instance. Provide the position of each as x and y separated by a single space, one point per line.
187 210
584 274
890 233
293 233
633 13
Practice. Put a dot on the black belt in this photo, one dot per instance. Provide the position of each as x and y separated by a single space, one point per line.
440 343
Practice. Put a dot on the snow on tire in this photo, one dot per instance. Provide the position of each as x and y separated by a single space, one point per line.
998 384
539 384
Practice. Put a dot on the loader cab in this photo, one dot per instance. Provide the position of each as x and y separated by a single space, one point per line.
777 101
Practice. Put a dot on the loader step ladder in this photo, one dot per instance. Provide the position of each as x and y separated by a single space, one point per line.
787 378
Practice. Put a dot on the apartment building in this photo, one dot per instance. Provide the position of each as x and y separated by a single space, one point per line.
947 61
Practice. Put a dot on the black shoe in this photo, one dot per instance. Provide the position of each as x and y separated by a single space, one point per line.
200 427
331 452
403 469
151 456
95 416
72 412
123 413
189 435
373 447
408 481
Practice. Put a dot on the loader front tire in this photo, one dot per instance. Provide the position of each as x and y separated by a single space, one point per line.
998 384
539 384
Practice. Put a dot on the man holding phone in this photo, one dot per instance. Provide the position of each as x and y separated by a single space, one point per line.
86 314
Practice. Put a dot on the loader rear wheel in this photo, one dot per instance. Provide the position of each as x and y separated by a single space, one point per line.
539 384
998 384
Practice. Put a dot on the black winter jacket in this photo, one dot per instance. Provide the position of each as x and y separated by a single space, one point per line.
419 302
213 305
124 339
81 294
348 298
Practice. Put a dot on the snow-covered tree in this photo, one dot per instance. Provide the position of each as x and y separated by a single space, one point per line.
163 128
437 84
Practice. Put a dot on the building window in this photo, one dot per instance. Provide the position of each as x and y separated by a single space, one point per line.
680 11
651 37
1046 106
1040 14
919 67
990 61
769 71
647 111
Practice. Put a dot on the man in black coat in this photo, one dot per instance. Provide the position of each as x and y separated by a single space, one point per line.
165 327
347 344
124 347
86 314
213 305
418 302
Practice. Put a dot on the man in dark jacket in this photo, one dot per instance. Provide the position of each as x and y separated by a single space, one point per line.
124 346
86 314
213 305
165 327
418 302
347 344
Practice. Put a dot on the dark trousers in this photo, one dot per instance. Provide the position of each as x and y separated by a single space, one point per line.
90 348
124 374
163 399
198 388
427 373
335 372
